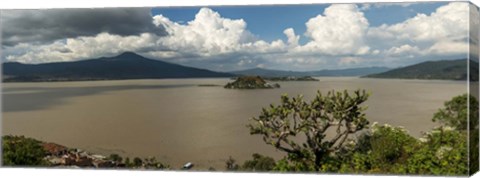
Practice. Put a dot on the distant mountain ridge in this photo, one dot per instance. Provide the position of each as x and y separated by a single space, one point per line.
441 70
127 65
340 72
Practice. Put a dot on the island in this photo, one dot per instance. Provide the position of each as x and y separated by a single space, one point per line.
250 82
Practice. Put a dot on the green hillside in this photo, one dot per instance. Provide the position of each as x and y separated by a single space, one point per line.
439 70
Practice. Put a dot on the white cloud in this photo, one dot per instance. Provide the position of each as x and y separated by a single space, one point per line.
404 50
448 47
340 31
103 44
448 25
292 38
207 34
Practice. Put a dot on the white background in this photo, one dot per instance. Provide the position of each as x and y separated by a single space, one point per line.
36 4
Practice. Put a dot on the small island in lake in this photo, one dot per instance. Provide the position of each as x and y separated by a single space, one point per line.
292 78
250 82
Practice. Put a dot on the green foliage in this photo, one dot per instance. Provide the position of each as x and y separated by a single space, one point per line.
460 113
456 112
21 151
442 152
231 164
259 163
291 164
388 145
137 162
380 150
147 163
115 157
281 125
128 163
250 82
443 70
152 163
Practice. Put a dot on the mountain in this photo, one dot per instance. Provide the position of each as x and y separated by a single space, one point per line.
124 66
350 72
267 73
340 72
442 70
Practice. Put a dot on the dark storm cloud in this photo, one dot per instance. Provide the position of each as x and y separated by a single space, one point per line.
40 26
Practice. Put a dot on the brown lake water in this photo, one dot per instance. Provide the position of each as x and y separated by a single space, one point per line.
177 121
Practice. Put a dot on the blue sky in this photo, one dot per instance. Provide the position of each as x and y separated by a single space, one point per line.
226 38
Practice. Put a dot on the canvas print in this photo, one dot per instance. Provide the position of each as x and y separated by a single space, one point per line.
359 88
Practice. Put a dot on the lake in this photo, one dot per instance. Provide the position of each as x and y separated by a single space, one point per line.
177 121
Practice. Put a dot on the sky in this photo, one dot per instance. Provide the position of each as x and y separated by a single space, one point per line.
228 38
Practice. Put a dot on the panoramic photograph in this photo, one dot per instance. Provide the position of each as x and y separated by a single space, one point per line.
360 88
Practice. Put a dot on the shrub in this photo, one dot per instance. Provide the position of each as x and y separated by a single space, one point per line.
21 151
259 163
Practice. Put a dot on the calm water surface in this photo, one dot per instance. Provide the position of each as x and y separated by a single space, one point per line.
177 121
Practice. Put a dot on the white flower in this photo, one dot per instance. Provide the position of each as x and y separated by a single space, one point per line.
441 151
423 140
448 128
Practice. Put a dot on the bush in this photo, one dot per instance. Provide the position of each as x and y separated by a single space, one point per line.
21 151
456 112
137 162
381 150
115 157
152 163
259 163
442 152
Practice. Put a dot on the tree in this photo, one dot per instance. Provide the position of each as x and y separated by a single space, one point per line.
456 112
282 125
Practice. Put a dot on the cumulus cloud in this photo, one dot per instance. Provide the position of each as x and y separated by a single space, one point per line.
404 50
45 26
447 27
340 31
292 38
207 34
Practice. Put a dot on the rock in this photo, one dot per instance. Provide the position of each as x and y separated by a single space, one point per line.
83 162
54 149
54 160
